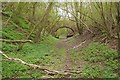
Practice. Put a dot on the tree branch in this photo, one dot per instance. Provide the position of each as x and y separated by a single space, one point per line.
34 66
16 41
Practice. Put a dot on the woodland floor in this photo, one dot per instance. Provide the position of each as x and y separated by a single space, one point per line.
82 56
74 45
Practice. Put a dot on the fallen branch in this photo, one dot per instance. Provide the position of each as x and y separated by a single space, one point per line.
79 45
34 66
16 41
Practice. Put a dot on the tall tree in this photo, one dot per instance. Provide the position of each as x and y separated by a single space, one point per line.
78 24
118 31
43 22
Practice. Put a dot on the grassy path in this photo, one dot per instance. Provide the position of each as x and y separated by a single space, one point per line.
70 64
63 45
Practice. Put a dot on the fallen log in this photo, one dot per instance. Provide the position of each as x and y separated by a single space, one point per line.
16 41
34 66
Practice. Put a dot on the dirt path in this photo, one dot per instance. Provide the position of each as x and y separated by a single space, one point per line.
73 63
68 61
74 44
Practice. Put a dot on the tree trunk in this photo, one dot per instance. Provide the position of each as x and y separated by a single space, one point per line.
118 32
34 7
38 26
79 27
43 22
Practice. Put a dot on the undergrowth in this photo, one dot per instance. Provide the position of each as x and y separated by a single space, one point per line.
10 32
43 53
39 53
101 58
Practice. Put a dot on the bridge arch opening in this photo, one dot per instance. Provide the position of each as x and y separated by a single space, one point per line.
64 32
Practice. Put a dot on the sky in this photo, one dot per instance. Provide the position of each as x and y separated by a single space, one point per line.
63 13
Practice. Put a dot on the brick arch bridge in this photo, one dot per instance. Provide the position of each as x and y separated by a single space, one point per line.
55 29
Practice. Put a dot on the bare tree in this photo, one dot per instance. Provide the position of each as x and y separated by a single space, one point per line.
118 26
79 26
43 22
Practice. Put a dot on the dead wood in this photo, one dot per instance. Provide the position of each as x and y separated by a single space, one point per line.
34 66
16 41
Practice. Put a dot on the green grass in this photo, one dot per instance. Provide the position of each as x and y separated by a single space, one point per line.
40 53
98 61
10 32
92 71
45 54
99 53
